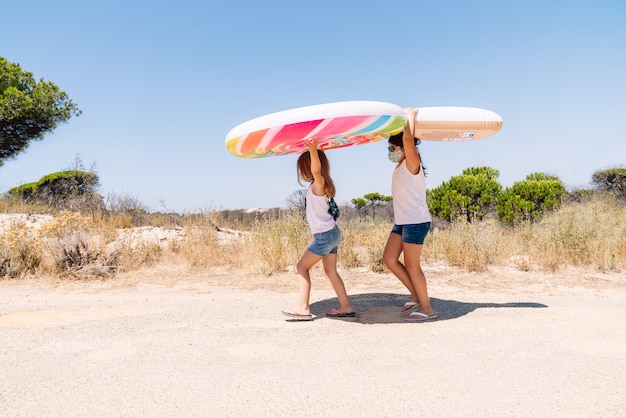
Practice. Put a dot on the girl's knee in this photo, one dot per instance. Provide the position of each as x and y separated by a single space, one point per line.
389 260
330 272
300 268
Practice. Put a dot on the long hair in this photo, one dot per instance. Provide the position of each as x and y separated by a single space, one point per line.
398 141
304 171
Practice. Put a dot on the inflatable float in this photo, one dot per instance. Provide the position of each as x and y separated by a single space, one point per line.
344 124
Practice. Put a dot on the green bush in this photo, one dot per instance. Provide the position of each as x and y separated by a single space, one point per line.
529 199
469 196
71 189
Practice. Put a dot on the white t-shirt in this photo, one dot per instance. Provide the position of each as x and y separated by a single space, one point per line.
409 196
317 213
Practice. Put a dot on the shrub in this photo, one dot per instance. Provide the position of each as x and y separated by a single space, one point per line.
529 199
72 189
613 180
20 252
469 196
73 248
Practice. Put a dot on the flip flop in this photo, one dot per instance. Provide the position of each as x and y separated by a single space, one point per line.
336 314
419 317
297 316
409 307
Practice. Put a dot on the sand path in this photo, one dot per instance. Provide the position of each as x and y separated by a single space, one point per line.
193 349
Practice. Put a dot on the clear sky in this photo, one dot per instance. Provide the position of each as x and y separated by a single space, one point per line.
161 83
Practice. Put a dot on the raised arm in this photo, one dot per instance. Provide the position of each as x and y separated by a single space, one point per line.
319 183
413 163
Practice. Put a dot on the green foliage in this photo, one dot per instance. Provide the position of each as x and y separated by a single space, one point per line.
377 198
374 200
73 188
469 196
540 177
28 109
359 203
25 191
529 199
491 173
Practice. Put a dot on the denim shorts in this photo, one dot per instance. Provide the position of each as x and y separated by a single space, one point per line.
412 233
326 243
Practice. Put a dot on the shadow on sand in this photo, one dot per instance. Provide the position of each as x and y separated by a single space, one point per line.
384 308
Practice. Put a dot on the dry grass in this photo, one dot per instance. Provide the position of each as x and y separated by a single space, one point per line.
20 252
363 244
588 235
471 246
591 234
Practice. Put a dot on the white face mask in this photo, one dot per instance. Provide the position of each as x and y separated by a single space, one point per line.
394 157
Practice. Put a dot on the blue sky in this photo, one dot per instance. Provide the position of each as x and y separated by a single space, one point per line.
161 83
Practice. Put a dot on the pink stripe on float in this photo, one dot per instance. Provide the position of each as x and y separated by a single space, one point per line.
324 124
340 126
295 131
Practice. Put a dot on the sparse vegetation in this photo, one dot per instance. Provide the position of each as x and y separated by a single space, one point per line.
587 234
535 224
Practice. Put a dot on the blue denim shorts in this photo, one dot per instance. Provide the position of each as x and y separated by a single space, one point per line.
412 233
326 243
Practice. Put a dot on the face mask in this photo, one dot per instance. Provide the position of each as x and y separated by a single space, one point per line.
394 157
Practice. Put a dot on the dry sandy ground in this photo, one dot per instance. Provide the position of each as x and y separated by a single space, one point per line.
172 342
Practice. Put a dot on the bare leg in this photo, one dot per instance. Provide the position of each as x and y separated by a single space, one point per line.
303 267
412 259
330 268
391 258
